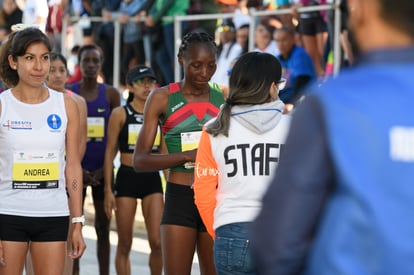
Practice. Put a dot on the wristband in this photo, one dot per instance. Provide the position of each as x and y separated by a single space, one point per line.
80 219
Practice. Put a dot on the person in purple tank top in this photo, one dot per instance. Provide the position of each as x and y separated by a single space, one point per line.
101 99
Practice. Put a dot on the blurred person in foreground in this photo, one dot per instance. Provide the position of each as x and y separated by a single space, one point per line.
341 198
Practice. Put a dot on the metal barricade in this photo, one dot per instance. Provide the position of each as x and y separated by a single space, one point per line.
254 14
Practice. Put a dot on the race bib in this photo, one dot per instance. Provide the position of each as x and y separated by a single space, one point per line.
35 170
190 140
133 133
96 127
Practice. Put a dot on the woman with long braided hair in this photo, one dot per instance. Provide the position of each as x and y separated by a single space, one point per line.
182 108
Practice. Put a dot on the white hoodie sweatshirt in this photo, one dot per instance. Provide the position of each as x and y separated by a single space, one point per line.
232 173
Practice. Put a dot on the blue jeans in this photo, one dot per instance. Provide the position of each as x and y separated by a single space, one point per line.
164 55
232 250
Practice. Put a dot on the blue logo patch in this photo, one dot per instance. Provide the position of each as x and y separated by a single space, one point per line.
54 121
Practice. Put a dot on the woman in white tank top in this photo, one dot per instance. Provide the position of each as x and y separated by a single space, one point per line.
40 172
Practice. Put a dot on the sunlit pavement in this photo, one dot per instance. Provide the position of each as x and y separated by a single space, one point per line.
139 252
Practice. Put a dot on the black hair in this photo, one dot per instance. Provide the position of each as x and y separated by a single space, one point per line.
287 29
247 86
245 47
16 44
89 47
75 49
269 28
57 56
398 14
194 38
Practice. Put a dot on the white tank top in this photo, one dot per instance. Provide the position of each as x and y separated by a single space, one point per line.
32 157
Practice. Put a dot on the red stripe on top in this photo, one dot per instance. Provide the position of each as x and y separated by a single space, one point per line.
199 109
174 87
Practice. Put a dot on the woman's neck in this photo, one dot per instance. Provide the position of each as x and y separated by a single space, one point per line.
88 85
30 95
187 88
138 105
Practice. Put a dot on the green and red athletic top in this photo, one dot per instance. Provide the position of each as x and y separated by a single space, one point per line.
184 120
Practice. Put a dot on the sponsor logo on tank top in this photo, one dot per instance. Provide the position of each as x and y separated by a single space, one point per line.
139 118
18 124
54 121
173 109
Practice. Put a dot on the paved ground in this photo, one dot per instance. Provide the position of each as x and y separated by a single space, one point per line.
140 247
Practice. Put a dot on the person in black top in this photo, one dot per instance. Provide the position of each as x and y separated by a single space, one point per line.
123 129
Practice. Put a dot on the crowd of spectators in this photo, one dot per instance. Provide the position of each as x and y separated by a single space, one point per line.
148 36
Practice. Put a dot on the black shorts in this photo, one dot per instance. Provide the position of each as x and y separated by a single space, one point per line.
136 185
34 229
180 209
312 25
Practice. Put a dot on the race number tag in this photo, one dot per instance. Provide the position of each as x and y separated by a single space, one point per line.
133 133
96 127
35 170
190 140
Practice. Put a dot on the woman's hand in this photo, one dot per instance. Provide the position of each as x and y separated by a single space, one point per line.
78 244
109 203
2 261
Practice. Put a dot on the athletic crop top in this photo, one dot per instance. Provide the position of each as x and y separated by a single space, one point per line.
98 116
130 131
32 156
183 121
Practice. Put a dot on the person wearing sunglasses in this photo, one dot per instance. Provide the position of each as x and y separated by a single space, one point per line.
228 51
124 126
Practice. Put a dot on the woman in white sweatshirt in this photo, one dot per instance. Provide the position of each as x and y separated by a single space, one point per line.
237 156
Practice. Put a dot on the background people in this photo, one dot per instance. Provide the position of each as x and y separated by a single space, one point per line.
35 13
58 74
100 99
182 108
133 46
313 31
228 51
42 134
298 68
10 14
164 54
242 37
263 37
123 129
338 200
237 156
